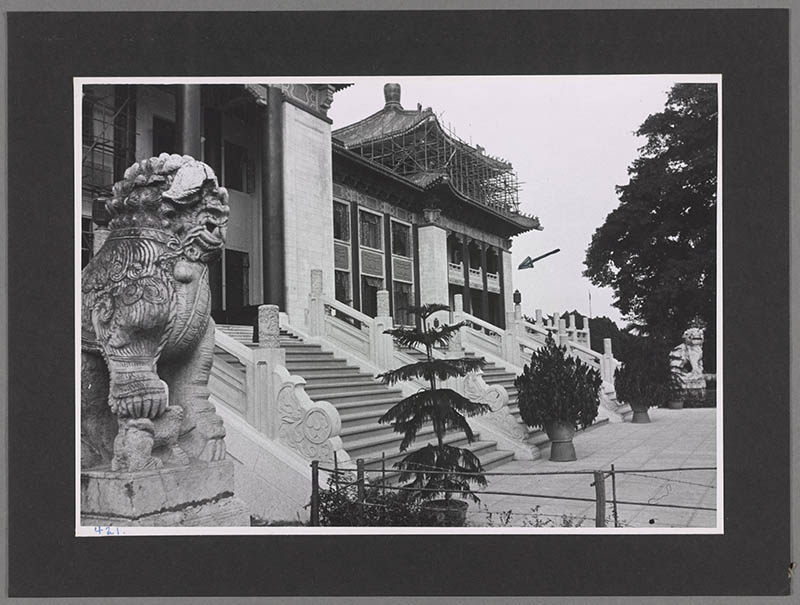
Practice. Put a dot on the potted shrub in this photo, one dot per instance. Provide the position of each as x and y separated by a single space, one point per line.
558 392
437 469
644 379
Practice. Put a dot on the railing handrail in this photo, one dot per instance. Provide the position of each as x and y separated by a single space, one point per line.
585 350
482 323
347 310
230 345
535 327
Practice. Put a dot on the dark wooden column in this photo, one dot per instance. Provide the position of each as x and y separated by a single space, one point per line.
272 199
355 249
417 298
387 257
485 294
500 277
187 119
465 260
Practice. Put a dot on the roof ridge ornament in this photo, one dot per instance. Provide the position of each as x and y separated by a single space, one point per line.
391 94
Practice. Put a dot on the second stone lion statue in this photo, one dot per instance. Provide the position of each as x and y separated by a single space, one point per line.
147 336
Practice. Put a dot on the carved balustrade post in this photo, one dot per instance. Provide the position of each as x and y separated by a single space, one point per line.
382 345
563 337
261 404
515 328
457 342
608 362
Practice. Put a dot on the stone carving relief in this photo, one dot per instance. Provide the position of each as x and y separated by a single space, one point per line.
311 428
147 336
318 97
496 397
686 360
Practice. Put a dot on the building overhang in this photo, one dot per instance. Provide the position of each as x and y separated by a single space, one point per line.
436 192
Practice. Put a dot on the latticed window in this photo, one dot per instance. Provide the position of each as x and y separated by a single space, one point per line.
341 222
87 241
370 230
403 297
401 239
342 287
369 294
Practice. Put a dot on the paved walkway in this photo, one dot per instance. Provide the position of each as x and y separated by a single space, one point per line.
674 439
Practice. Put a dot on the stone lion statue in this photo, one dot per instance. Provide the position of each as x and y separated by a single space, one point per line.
686 360
147 337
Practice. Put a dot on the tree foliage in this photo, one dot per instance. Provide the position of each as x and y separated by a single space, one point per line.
557 387
644 379
657 249
440 468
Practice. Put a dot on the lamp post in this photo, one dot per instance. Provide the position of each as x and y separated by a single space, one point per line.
517 304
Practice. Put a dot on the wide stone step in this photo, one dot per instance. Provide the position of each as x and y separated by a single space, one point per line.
299 366
338 376
366 430
367 418
377 405
355 385
366 395
486 451
391 449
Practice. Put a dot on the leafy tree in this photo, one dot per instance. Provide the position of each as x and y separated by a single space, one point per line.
444 408
557 387
657 249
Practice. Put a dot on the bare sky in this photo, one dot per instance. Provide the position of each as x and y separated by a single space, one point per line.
569 138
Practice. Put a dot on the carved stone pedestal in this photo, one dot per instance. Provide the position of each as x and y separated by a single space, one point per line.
199 495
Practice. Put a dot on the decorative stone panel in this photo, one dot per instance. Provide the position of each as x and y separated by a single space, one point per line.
341 256
402 270
371 263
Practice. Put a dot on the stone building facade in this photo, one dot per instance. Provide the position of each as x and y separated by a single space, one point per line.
391 202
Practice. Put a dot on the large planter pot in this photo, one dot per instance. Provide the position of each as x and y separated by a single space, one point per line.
445 513
675 402
560 435
640 415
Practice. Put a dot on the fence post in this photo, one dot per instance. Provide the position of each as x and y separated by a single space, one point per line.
315 493
614 496
360 479
600 499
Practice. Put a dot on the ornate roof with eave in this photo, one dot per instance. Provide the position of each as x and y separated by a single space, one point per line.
393 138
392 120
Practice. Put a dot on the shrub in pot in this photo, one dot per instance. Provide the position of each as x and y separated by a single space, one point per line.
437 469
644 379
559 393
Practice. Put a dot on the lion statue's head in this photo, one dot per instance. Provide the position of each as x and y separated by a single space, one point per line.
173 193
693 337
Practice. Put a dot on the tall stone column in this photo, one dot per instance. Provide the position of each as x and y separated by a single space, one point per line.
507 282
485 286
432 259
465 260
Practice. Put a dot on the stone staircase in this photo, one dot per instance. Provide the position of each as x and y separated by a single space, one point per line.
494 374
360 399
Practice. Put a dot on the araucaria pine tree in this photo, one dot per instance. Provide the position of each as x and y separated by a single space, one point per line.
444 408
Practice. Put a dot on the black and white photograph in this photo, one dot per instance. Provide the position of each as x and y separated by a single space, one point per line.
328 305
392 290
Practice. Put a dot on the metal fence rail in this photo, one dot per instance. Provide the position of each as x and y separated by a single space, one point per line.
342 480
